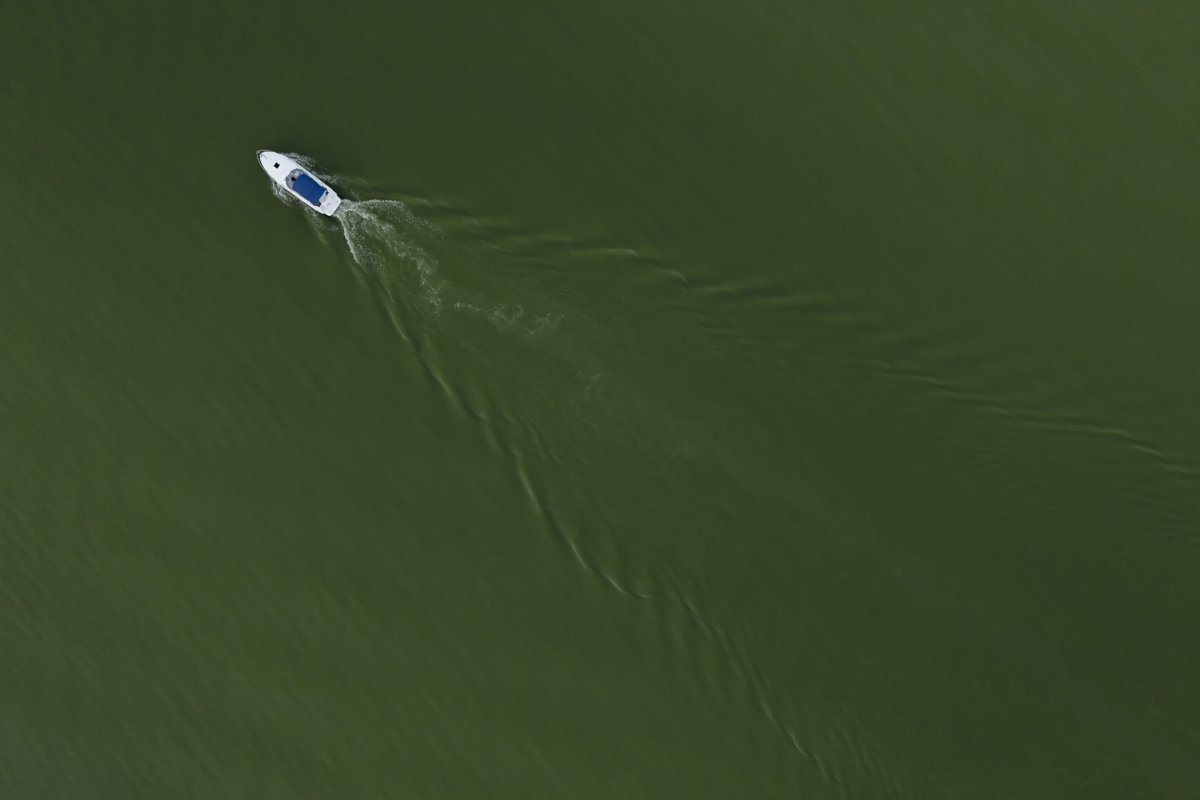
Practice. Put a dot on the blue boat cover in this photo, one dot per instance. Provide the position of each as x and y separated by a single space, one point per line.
309 189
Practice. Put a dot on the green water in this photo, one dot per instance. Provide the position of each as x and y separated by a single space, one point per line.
745 400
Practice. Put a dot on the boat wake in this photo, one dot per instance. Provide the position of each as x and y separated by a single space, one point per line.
609 397
412 257
380 235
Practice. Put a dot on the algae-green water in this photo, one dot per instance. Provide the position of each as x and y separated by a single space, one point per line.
720 400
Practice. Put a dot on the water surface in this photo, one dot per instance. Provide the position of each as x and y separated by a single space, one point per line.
757 400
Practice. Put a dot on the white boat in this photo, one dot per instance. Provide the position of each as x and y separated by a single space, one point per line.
299 182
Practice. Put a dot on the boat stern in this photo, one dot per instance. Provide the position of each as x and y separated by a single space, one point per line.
329 203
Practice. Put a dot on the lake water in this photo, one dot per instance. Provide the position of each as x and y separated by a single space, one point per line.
725 400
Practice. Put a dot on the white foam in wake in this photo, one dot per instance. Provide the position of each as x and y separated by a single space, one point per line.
394 244
380 236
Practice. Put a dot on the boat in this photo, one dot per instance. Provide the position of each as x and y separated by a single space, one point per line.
299 182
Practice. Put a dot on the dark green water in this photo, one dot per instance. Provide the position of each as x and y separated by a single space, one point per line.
745 400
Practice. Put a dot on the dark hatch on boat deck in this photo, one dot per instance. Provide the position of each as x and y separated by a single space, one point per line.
309 189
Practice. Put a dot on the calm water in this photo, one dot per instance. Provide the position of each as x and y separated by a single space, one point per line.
734 400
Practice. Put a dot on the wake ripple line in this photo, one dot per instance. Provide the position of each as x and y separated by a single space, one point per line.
734 657
1042 420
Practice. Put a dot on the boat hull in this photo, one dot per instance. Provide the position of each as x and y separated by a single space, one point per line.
288 174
